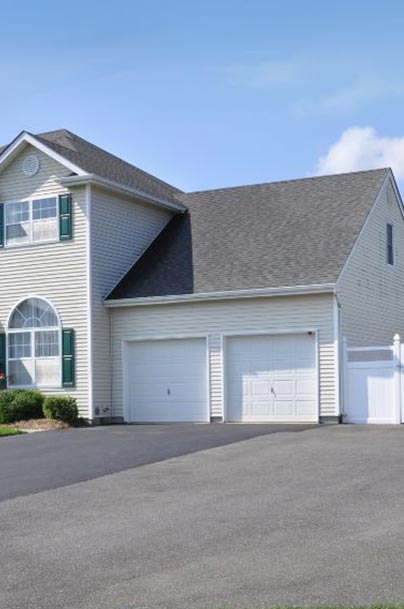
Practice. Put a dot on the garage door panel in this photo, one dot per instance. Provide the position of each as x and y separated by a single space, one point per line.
284 408
304 386
305 408
260 407
144 391
260 388
183 391
167 380
271 378
284 387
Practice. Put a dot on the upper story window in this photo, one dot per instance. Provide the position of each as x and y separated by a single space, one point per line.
389 244
34 221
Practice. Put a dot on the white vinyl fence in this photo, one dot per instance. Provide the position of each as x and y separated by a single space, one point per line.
373 387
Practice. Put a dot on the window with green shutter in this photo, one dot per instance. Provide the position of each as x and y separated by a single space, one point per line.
65 217
68 358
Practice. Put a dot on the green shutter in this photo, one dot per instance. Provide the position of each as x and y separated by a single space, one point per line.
2 354
65 217
1 225
68 363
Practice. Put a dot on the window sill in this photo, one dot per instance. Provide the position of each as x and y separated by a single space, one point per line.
25 245
33 387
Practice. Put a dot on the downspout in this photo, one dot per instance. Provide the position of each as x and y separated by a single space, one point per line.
338 355
91 414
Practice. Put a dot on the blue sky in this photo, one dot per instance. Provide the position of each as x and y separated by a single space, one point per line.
213 93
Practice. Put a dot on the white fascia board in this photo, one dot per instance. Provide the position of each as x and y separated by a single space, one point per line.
322 288
96 180
26 138
397 192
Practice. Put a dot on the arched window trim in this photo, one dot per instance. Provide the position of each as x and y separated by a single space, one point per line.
34 358
29 297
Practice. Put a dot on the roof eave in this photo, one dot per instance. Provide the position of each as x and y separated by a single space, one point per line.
90 178
320 288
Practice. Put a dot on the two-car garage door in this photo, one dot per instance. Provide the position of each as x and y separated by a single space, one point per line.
266 378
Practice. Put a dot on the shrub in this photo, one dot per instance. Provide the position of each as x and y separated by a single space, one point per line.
6 415
20 404
62 407
29 403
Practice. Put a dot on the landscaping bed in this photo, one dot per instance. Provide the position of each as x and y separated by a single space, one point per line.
29 410
39 425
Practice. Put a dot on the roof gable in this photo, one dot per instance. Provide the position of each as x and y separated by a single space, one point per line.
83 158
293 233
9 152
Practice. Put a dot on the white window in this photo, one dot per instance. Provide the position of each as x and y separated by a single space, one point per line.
34 345
33 221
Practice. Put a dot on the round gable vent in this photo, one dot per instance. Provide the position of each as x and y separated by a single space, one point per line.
30 165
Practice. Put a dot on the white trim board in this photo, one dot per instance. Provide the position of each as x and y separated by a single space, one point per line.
324 288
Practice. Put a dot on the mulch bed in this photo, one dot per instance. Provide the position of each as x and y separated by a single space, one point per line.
40 425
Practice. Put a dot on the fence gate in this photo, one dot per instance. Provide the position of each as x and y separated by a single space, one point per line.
373 384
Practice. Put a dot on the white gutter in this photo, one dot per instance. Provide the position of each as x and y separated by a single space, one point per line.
320 288
91 178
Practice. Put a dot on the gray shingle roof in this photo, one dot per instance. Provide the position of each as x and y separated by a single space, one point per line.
94 160
297 232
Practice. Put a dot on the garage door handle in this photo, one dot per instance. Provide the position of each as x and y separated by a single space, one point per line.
168 391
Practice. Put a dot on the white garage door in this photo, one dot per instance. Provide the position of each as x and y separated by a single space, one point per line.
271 378
167 381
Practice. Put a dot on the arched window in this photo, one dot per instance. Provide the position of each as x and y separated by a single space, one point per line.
34 336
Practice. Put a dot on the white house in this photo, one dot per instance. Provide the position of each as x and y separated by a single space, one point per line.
149 304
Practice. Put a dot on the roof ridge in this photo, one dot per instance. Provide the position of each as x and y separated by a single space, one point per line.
319 177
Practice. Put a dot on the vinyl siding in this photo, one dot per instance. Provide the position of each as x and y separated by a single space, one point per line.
216 318
121 230
55 271
371 291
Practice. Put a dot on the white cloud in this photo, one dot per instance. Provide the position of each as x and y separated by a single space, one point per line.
362 148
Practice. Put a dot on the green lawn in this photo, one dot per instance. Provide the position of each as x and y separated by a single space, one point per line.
9 431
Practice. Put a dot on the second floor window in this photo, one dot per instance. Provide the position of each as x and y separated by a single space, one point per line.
34 221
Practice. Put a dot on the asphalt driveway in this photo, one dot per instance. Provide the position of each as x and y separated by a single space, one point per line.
42 461
308 518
